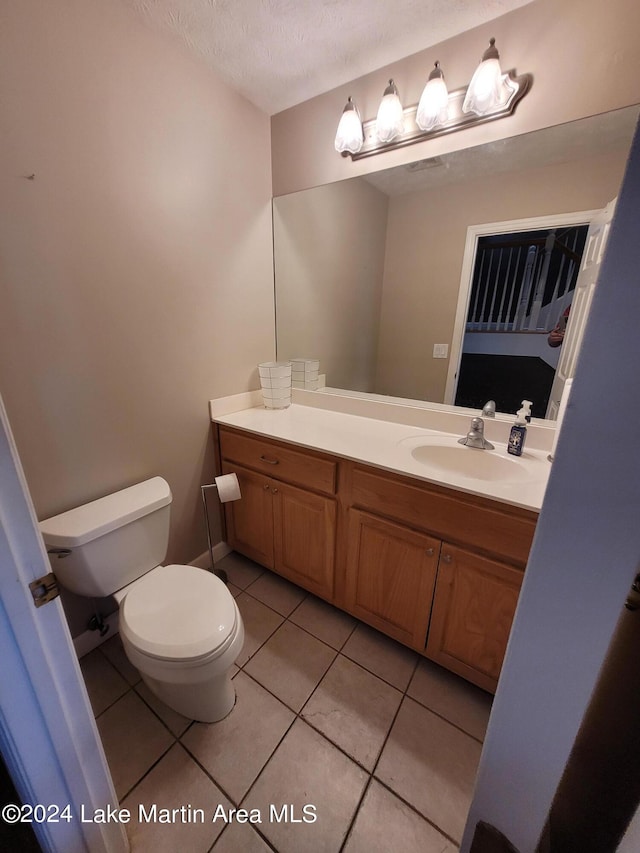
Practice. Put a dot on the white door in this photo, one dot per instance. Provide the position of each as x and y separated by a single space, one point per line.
48 735
474 233
580 304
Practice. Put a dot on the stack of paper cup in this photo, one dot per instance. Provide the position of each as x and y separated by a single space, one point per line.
275 379
304 373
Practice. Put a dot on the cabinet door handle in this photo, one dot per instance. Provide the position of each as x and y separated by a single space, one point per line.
446 558
266 487
274 491
269 461
430 552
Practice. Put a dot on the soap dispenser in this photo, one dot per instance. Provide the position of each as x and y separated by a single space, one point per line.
518 433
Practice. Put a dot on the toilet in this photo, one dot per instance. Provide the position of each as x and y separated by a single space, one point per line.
180 625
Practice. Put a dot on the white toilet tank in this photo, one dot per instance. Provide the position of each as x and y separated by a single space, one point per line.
112 540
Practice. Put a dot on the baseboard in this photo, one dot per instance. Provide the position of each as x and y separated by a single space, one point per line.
220 550
90 640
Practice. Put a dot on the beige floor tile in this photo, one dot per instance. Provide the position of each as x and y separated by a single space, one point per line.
133 739
175 722
455 699
432 765
103 682
277 593
307 770
379 654
259 621
235 750
240 838
354 709
241 571
385 823
176 782
324 621
291 664
114 651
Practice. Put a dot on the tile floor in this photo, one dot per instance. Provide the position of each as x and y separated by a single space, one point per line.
329 714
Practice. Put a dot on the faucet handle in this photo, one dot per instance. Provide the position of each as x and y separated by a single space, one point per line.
489 409
475 436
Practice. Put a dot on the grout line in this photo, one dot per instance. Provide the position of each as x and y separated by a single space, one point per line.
416 811
147 771
355 814
446 720
197 761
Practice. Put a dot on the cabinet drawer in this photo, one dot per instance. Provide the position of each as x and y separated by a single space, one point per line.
301 468
459 519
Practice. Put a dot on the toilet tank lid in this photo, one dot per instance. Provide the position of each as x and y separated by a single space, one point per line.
80 525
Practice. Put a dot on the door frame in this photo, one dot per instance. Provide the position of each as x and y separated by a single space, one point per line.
474 233
48 734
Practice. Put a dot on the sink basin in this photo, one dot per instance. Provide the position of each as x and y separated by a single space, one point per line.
446 455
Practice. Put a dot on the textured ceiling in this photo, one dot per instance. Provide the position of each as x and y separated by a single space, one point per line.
278 53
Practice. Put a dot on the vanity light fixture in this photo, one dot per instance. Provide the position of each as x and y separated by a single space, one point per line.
433 107
490 95
390 118
489 88
349 136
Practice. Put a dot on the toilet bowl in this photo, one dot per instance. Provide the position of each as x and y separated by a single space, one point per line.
180 626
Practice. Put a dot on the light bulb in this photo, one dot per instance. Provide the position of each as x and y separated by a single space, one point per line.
390 118
433 108
349 136
487 89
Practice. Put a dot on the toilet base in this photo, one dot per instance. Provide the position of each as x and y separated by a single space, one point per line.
207 701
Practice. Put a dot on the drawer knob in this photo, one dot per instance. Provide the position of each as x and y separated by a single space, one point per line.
430 552
274 491
266 487
269 461
446 558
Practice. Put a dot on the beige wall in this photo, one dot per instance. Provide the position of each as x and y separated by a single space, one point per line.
425 247
136 278
329 278
583 55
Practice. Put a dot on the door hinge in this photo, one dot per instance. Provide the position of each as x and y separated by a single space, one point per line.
44 589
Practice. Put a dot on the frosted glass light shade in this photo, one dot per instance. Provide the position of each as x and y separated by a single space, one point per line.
488 88
349 136
390 118
433 108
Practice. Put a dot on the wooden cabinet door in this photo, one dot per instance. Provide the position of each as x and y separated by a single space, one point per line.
473 609
304 528
250 520
390 577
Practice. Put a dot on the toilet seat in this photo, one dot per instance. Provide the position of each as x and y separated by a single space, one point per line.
180 614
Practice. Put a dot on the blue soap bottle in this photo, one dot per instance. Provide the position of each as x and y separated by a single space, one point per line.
518 433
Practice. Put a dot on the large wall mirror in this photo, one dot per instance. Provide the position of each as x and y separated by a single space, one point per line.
368 270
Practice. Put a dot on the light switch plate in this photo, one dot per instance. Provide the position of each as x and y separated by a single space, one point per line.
440 350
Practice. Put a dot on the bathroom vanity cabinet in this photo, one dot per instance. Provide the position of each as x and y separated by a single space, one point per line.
286 519
436 569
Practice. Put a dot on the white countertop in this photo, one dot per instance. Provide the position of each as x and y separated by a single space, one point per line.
389 445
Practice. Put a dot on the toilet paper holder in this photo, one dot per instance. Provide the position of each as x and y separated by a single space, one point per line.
203 489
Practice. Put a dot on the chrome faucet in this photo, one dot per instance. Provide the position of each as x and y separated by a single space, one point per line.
475 436
489 409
